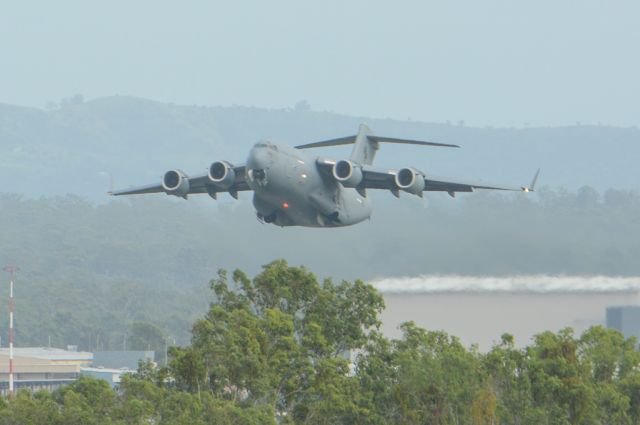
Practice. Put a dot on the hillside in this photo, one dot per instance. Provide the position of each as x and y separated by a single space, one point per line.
96 269
96 266
74 147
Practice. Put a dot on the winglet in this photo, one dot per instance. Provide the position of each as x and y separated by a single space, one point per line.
532 186
110 192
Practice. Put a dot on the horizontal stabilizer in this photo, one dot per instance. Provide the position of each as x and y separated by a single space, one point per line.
352 139
366 144
409 141
333 142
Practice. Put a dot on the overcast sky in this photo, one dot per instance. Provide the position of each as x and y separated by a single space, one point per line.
501 63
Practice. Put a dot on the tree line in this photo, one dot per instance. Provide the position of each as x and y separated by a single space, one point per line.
286 347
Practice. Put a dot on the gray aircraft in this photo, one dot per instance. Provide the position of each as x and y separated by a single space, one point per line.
293 188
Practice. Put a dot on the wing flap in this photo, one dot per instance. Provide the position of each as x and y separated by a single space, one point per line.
445 184
150 188
197 185
376 178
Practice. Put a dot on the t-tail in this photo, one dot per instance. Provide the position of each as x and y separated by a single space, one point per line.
366 144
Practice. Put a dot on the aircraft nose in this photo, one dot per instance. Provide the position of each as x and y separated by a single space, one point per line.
258 162
259 158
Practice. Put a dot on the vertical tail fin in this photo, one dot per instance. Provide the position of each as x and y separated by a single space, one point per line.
364 149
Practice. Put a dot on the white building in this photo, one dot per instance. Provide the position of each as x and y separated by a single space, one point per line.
479 310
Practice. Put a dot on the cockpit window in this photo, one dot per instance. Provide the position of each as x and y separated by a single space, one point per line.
267 145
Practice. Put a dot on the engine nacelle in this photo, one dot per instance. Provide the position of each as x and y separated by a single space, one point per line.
221 173
347 173
175 182
410 180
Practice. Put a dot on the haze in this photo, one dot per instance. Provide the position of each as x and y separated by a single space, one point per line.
520 86
498 63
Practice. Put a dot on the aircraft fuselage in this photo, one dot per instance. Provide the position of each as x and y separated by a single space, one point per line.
290 190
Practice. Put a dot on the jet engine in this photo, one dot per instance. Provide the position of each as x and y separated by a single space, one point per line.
347 173
221 173
175 182
410 180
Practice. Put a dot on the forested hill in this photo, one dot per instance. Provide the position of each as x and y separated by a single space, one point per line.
74 146
91 271
93 267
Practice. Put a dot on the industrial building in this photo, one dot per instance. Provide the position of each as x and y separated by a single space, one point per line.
121 359
46 368
41 368
112 376
479 310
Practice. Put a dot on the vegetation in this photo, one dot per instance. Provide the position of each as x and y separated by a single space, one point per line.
133 273
272 349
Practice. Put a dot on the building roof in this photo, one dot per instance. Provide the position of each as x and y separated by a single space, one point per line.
106 370
537 284
49 353
35 365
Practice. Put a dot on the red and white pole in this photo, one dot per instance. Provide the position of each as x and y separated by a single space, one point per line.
11 270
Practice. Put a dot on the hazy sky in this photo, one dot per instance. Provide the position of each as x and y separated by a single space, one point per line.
543 62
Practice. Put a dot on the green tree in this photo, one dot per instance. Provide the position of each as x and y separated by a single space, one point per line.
611 359
508 371
30 409
278 340
560 381
272 349
423 378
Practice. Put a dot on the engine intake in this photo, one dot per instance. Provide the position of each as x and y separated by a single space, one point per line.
221 173
410 180
347 173
175 182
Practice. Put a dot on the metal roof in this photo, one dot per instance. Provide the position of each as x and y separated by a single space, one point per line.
49 353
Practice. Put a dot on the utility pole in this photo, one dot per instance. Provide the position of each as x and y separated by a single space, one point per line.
12 270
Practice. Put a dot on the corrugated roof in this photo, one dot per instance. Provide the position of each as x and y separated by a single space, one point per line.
49 353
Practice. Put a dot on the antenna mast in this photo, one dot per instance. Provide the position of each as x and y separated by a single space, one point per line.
12 270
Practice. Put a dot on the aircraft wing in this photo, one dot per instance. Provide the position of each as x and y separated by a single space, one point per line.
443 184
197 184
375 178
138 190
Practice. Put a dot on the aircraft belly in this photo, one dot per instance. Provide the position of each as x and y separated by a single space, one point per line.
294 193
286 193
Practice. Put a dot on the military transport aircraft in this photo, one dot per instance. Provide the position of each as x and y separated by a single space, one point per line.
293 188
